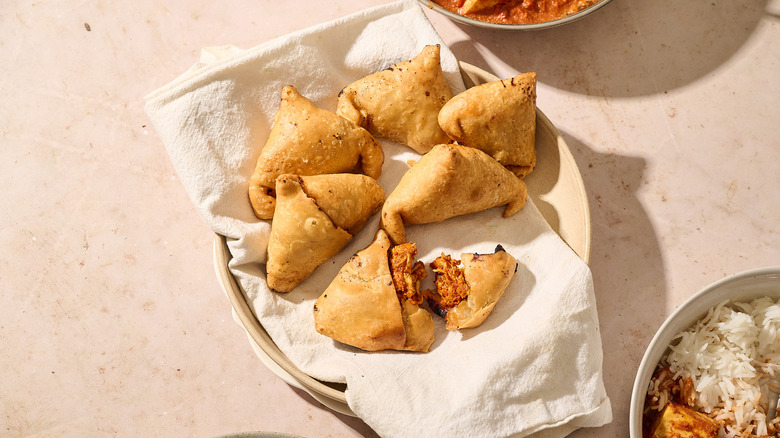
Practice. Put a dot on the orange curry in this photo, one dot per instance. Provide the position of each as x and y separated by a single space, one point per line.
517 11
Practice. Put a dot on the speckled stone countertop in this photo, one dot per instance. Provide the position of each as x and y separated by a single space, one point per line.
112 321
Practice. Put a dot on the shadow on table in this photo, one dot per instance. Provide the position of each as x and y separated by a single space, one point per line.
626 49
626 263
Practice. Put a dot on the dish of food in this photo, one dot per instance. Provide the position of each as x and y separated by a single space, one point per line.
714 366
516 11
555 185
515 15
722 367
375 302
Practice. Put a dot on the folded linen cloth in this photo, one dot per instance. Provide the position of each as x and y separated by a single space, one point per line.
533 368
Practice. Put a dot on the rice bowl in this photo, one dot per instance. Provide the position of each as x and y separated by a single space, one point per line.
723 344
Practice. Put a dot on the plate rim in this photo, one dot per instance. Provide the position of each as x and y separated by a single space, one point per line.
322 392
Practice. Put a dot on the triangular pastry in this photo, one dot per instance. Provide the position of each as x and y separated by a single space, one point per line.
316 216
465 296
307 140
448 181
363 308
401 103
347 199
498 118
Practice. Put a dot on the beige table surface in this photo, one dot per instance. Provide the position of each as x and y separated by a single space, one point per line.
111 318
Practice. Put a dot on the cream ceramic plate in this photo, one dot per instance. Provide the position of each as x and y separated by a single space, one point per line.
555 186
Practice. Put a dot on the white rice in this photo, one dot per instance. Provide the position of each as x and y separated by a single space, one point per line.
733 358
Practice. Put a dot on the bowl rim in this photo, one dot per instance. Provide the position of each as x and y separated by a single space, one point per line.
641 380
514 27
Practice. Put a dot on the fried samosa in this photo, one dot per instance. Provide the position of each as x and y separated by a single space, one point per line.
498 118
464 297
401 103
307 140
316 216
450 180
364 308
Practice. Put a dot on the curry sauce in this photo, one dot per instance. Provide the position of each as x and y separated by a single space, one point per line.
518 11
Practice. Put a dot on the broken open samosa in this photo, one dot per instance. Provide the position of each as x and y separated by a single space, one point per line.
401 103
448 181
373 303
465 296
316 216
307 140
498 118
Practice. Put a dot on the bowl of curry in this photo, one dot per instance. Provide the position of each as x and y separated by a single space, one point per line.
515 14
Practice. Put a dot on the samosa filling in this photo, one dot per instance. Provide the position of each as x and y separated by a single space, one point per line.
451 286
407 273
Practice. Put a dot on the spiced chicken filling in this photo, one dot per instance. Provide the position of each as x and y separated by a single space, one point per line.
407 274
451 285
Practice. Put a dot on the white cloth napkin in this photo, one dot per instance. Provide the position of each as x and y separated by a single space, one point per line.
534 367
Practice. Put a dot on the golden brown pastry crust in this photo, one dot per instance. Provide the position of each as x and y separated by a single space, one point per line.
488 276
361 308
401 103
418 326
307 140
348 199
308 227
448 181
498 118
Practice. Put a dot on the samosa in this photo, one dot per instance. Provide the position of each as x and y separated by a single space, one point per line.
498 118
373 303
465 296
450 180
316 216
401 103
307 140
